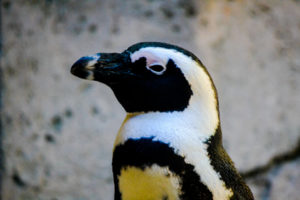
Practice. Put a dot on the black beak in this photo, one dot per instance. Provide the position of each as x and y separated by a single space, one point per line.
109 68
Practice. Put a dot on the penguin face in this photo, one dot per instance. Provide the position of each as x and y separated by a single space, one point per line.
146 77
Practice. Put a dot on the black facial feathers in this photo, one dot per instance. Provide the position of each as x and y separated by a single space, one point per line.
150 92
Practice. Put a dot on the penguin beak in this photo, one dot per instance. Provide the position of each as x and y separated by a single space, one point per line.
108 68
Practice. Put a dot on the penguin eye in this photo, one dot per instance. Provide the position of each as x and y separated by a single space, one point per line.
156 68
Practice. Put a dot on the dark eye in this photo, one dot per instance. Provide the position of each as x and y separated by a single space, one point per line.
157 69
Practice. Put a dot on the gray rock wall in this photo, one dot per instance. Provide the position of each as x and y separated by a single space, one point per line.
59 130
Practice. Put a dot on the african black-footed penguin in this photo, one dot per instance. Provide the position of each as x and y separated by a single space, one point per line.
169 146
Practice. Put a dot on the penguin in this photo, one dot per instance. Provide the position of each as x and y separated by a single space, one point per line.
169 146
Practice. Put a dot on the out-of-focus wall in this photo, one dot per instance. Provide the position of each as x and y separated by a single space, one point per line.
59 130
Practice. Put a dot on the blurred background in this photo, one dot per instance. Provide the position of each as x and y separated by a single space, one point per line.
58 130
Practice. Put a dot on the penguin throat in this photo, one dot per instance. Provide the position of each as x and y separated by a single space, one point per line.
195 121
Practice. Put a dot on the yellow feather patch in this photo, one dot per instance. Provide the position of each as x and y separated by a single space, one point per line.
151 183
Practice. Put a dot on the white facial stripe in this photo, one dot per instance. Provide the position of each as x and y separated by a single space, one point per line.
151 57
185 131
151 60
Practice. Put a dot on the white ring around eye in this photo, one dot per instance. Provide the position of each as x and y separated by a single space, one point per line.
157 72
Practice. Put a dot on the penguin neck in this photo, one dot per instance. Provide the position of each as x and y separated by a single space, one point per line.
200 120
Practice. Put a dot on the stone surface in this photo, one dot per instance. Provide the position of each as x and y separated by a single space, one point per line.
286 182
281 182
59 130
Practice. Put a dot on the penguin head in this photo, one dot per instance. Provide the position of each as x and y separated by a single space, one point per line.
151 76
